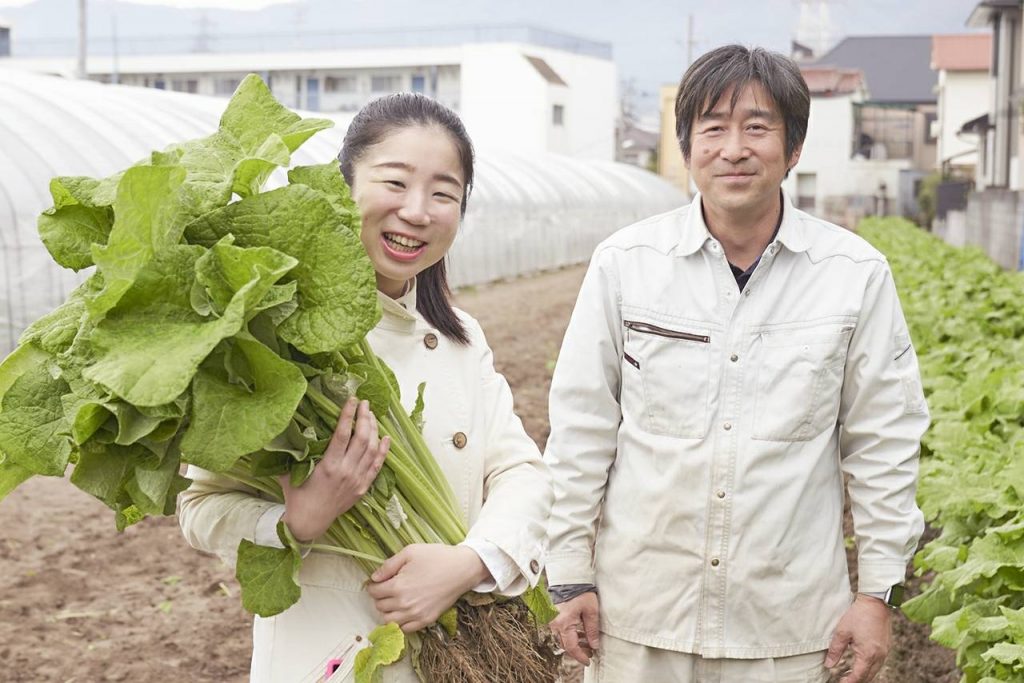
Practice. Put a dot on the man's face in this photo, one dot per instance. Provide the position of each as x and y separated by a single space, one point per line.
738 155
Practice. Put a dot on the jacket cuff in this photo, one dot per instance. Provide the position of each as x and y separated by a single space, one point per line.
266 527
504 573
523 551
569 568
878 576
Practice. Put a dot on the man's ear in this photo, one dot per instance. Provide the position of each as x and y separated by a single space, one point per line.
794 158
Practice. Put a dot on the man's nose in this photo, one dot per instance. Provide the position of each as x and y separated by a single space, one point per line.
734 147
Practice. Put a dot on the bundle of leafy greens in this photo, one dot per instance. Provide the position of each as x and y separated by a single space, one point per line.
223 327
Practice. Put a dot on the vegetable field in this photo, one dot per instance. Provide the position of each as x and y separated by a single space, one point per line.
967 321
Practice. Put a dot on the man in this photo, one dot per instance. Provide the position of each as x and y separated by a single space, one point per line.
727 363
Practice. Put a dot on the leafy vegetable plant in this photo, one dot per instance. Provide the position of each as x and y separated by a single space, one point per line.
223 326
967 319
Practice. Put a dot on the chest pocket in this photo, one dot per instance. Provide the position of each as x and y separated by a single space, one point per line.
799 381
671 367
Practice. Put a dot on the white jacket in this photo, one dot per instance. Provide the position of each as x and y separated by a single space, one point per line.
497 476
699 436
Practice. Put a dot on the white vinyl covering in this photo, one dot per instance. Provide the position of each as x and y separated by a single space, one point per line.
525 214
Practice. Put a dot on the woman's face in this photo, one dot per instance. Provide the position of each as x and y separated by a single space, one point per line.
409 189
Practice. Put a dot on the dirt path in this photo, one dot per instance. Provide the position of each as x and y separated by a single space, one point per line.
80 603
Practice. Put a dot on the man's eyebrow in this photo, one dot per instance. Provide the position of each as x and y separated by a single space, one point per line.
750 114
401 165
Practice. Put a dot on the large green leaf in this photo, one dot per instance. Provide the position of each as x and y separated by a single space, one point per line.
148 218
327 178
337 292
269 577
150 346
79 218
253 115
387 643
33 431
230 419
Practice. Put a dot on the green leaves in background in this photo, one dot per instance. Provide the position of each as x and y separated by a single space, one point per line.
966 316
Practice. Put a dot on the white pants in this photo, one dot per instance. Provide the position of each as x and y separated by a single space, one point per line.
623 662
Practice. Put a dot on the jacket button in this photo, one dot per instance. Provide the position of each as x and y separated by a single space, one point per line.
459 439
535 566
430 340
714 562
734 358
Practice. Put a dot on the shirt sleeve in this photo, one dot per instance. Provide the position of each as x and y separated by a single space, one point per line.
216 512
517 484
883 417
585 417
503 570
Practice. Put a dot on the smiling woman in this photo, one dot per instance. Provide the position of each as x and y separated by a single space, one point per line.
409 163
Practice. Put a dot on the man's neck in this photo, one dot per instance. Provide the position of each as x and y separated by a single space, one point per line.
743 237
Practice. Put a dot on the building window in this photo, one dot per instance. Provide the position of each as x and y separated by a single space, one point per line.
929 129
313 94
340 84
385 83
558 115
189 85
225 87
159 84
419 84
882 132
806 189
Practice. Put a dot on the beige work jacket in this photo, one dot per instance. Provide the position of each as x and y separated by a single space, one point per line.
699 436
494 468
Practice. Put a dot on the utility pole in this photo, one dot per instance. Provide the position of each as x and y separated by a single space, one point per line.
81 71
115 75
689 40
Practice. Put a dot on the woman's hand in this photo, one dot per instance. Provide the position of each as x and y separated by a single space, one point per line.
417 585
350 464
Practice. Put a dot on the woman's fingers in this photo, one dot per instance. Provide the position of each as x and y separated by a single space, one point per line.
342 432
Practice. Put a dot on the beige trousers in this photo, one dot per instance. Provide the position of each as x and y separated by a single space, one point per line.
623 662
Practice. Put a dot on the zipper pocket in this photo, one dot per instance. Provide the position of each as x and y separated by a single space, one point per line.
632 361
647 328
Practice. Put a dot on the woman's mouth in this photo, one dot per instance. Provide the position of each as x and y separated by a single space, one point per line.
401 247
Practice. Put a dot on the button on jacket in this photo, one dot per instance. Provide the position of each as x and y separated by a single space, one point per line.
699 436
491 463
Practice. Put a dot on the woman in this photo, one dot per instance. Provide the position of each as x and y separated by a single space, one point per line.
409 163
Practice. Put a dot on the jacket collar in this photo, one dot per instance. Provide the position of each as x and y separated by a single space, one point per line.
398 313
792 231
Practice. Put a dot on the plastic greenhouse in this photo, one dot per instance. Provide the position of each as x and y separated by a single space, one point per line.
525 214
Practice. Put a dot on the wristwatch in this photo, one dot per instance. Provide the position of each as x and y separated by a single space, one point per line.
894 595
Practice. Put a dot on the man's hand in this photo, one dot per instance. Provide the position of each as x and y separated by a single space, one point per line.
577 617
866 629
417 585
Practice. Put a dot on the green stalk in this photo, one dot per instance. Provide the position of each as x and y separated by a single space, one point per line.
345 551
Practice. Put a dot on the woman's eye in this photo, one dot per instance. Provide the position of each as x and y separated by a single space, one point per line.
395 183
445 196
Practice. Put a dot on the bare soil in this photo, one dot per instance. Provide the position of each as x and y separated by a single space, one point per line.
81 603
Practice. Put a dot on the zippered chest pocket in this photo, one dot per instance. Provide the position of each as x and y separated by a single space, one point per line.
666 374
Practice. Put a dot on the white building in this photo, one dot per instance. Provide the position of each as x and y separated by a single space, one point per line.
528 97
964 91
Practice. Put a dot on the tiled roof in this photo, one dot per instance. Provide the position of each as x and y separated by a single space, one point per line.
830 80
897 69
963 52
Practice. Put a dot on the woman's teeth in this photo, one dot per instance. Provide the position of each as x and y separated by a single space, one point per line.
403 243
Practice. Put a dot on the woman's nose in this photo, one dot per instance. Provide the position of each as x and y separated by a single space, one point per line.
414 210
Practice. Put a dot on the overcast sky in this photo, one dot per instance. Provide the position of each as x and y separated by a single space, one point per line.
649 38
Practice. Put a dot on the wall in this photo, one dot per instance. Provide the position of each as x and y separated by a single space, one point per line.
507 104
993 221
963 95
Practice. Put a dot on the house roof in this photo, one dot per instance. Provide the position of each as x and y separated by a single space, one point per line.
963 52
897 69
983 14
830 80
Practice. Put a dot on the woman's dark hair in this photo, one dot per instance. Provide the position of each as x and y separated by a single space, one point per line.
735 66
371 125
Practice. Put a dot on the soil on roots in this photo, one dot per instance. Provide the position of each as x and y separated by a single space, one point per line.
494 643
